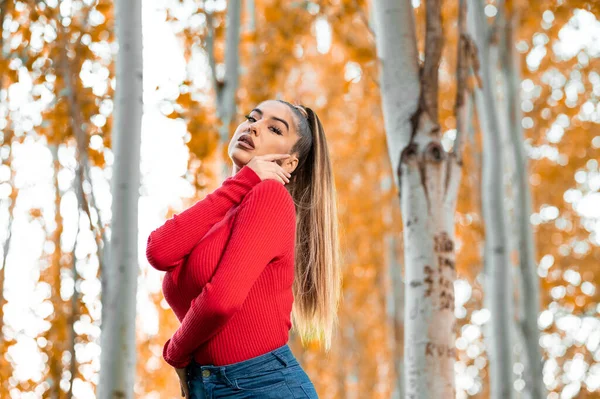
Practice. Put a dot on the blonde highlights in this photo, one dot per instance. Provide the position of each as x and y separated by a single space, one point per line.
318 277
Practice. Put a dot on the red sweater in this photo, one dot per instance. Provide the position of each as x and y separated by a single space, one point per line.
229 262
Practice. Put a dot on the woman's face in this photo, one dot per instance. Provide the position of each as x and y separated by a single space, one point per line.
272 128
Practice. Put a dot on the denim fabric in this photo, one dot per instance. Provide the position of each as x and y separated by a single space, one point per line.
273 375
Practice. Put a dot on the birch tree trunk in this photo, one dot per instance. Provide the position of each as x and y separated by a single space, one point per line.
82 172
226 95
394 285
498 273
428 180
529 282
8 135
52 276
74 306
399 73
73 368
395 313
396 49
118 357
251 13
5 366
226 89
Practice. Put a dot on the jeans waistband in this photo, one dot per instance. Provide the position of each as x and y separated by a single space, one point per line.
283 354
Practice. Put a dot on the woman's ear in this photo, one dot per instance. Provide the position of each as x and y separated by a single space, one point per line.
290 164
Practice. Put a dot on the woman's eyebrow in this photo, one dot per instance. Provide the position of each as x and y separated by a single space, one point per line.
273 117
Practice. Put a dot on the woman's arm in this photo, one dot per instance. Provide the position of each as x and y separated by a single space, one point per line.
264 227
170 243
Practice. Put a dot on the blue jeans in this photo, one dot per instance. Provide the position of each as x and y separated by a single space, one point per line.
276 375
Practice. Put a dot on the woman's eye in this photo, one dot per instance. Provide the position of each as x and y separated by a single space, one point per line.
273 129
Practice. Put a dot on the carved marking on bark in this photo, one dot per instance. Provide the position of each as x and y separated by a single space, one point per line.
444 261
413 375
414 311
446 294
408 156
415 283
409 222
414 119
446 290
428 280
443 243
444 247
435 152
439 350
409 153
429 348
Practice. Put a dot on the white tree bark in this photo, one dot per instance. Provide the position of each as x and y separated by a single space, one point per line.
251 12
82 172
226 95
529 281
499 292
394 294
74 301
8 135
399 81
428 180
118 356
394 280
397 52
7 242
226 89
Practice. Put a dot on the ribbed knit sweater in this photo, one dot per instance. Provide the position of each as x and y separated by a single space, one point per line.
229 263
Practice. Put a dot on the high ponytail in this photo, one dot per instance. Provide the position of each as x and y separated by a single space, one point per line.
318 277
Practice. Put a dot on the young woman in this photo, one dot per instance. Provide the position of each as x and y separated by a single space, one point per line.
255 257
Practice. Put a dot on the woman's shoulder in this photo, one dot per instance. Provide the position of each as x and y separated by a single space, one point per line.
271 193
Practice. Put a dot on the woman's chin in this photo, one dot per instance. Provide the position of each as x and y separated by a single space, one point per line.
240 157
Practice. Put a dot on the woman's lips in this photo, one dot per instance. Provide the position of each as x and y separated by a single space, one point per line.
247 139
245 145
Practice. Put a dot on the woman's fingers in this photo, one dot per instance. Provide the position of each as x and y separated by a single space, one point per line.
268 166
273 157
283 172
278 178
280 174
283 175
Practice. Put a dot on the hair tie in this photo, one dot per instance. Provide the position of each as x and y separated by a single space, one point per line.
302 110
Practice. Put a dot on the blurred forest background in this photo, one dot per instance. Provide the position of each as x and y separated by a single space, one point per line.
57 101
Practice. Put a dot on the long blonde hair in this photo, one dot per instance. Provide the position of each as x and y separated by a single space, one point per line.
318 277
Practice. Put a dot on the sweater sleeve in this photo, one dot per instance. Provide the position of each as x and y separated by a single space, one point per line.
259 234
170 243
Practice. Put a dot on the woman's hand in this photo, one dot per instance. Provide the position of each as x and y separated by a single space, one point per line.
266 167
183 382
